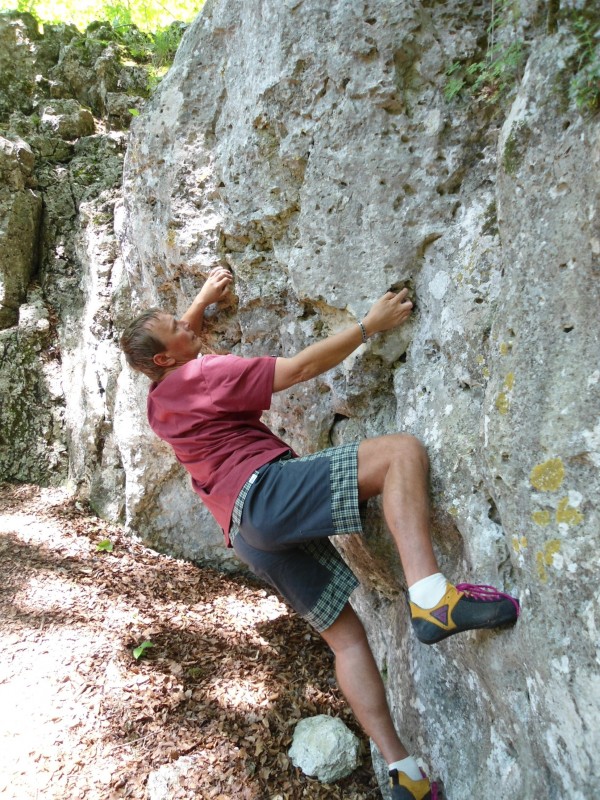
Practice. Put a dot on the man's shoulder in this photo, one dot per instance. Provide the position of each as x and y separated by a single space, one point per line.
231 360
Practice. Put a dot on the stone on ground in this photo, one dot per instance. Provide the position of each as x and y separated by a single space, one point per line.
323 747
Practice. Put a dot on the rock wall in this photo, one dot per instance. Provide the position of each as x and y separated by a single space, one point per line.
66 101
324 153
312 148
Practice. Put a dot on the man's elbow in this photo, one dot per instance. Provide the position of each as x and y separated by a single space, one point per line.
289 372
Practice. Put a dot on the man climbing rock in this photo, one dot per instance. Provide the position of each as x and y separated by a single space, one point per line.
277 510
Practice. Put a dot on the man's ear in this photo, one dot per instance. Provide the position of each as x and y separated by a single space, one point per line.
163 360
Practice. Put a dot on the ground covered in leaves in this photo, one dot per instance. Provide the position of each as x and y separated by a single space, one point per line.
208 711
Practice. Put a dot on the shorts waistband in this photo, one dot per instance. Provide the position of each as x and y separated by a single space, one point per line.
236 516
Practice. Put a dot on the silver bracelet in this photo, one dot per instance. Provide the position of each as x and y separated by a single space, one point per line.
363 331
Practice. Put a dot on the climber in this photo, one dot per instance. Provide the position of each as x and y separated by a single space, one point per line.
277 510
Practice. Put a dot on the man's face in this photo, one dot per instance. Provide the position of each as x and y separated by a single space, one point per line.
180 341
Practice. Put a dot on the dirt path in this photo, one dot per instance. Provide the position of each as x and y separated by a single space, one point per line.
212 704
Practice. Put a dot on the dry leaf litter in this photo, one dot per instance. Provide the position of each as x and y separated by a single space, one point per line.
230 672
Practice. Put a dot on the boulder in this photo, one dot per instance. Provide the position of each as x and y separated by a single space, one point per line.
65 119
324 748
326 153
319 152
163 782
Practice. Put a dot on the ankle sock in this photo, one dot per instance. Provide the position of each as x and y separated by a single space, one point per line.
409 767
428 592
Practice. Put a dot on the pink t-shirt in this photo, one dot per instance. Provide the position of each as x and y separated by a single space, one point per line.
209 411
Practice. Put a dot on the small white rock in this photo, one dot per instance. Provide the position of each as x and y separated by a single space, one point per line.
323 747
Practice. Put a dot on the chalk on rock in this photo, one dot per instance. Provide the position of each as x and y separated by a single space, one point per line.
323 747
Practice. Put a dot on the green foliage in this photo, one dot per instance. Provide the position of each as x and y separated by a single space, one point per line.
492 77
584 89
156 49
105 546
165 44
195 672
147 32
118 14
147 15
25 6
138 652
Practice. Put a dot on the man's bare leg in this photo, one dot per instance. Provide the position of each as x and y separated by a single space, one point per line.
361 684
397 467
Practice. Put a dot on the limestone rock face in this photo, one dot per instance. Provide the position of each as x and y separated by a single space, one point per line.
66 119
17 77
32 438
20 217
324 153
63 300
60 269
311 148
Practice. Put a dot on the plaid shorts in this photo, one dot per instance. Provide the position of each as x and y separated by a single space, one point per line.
281 522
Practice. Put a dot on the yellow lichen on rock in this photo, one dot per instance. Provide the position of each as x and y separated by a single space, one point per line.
545 557
548 477
567 514
502 403
541 518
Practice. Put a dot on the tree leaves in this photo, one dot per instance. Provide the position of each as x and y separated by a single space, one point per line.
216 699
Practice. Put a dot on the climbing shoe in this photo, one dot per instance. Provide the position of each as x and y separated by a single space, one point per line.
403 788
464 607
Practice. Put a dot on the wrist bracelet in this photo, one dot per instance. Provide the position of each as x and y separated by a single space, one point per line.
363 331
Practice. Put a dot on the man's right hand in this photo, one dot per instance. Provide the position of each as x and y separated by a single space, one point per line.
390 311
216 287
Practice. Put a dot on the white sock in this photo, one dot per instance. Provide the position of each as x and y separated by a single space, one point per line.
428 592
409 767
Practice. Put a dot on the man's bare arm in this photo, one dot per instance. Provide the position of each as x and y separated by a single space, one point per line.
390 311
215 289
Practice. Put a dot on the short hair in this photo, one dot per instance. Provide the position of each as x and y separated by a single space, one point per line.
140 345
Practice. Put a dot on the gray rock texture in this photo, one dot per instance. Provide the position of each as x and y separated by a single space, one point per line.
311 148
20 218
326 152
60 266
324 748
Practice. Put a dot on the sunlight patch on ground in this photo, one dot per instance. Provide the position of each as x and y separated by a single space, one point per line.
82 719
240 694
244 617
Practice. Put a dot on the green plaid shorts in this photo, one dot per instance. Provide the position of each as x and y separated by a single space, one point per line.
281 522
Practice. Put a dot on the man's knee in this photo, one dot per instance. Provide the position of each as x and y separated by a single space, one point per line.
376 456
347 631
407 447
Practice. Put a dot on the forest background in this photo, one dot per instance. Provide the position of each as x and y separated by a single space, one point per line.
150 31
